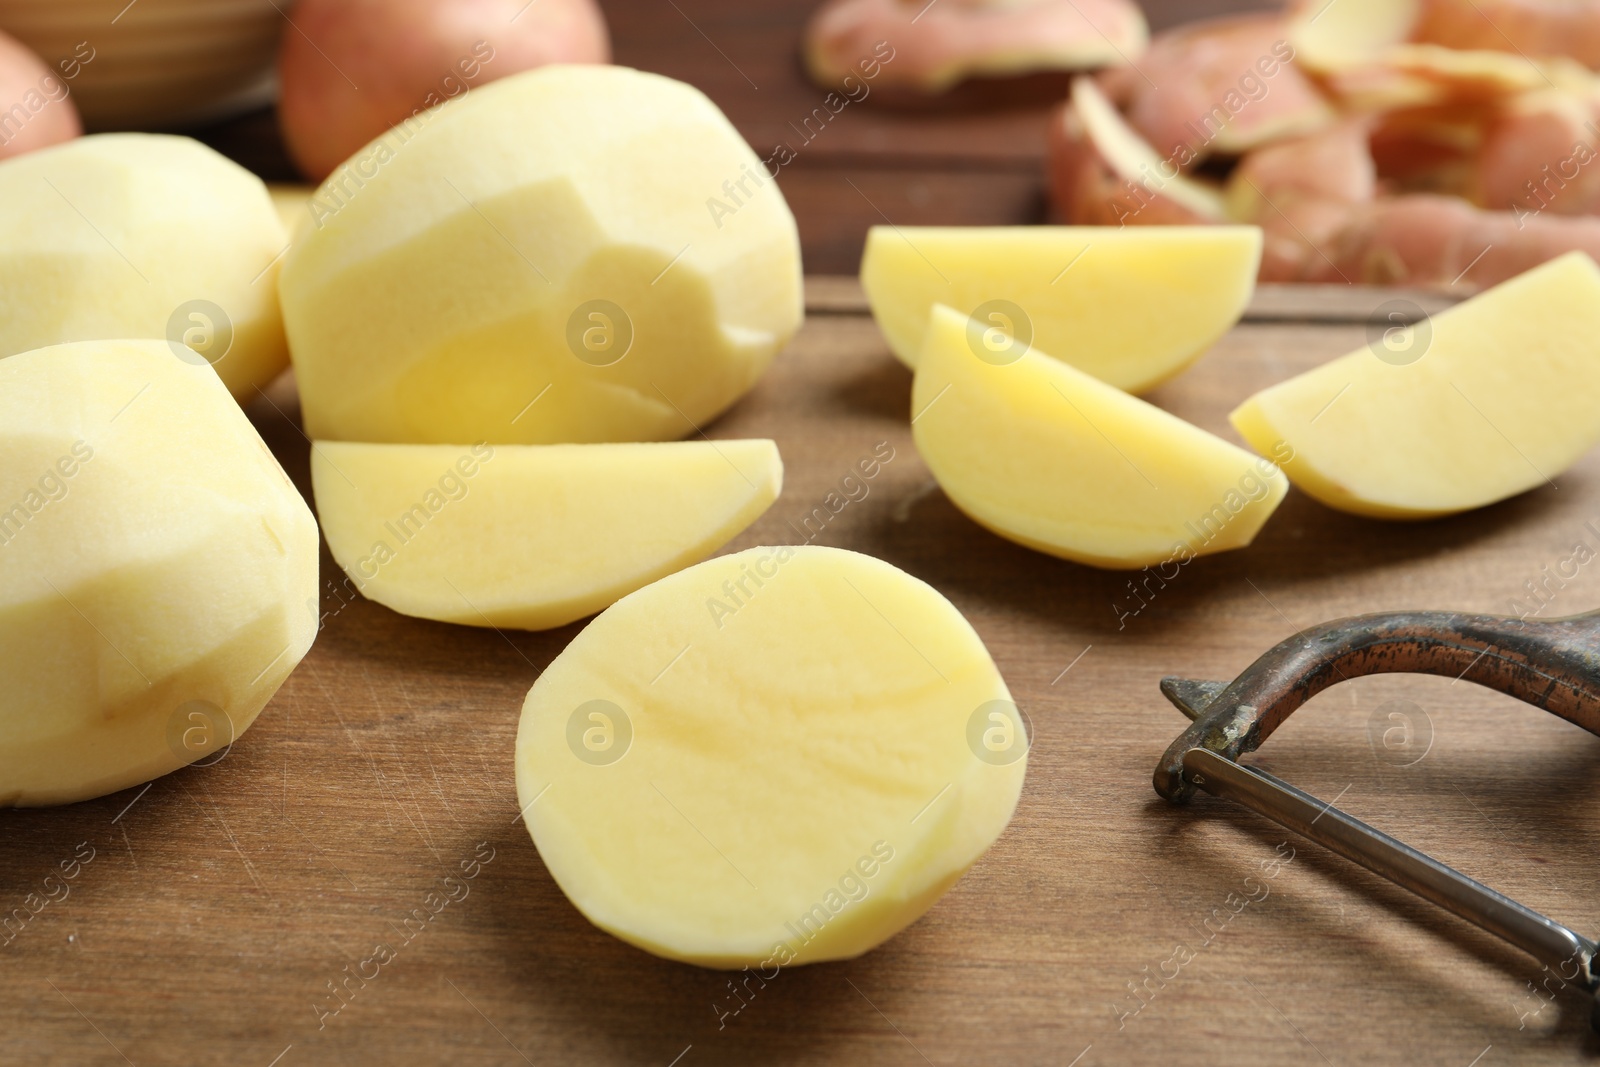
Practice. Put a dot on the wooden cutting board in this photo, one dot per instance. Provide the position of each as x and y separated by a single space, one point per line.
210 914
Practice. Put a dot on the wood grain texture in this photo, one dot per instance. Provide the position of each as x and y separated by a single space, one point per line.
221 901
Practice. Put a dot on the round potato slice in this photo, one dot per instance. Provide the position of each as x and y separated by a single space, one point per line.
783 755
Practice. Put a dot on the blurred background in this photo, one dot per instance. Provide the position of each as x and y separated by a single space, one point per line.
975 157
1438 144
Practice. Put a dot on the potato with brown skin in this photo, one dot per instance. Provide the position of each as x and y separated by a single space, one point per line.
1221 86
1103 174
1540 154
1300 193
1526 27
1436 242
928 48
35 108
1315 199
359 67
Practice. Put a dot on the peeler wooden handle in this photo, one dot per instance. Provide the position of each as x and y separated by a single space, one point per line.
1552 664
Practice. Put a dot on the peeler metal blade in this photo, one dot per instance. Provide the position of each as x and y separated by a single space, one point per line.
1564 951
1554 665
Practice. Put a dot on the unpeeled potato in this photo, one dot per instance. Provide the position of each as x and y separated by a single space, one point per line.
35 110
358 67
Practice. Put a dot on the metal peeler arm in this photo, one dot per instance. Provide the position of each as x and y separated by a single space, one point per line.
1552 664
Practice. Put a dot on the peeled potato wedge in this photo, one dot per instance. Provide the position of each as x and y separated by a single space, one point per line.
1051 458
531 536
1484 401
1083 293
780 756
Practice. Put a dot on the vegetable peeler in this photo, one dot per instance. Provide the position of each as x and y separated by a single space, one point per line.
1552 664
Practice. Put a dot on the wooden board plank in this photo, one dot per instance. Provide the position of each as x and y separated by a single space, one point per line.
221 902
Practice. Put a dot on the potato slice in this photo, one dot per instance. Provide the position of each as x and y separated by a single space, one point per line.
1488 399
531 536
142 235
158 571
1083 293
780 756
1048 457
594 231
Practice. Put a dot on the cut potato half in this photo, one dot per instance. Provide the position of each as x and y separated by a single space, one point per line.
527 536
1131 307
1486 400
1048 457
780 756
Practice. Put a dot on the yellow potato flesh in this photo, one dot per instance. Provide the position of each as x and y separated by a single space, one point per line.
141 235
1329 38
786 770
1086 292
1046 456
1488 399
158 571
570 254
293 205
531 536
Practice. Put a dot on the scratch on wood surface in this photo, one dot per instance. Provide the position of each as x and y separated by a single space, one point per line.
395 797
438 787
215 814
416 794
297 828
125 841
333 707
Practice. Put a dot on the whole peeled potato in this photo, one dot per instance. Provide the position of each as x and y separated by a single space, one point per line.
35 109
358 67
158 570
121 235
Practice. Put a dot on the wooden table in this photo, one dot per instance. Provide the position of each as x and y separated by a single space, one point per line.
220 903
